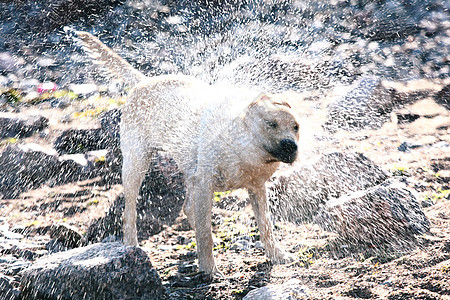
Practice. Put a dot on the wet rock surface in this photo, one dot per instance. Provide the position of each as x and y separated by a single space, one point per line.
385 215
299 194
62 164
101 271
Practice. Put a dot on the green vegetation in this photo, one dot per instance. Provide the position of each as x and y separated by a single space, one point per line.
12 95
8 141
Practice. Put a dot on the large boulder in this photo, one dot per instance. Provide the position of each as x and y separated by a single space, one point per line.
298 195
367 104
387 214
99 271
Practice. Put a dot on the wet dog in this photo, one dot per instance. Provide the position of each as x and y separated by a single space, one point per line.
221 139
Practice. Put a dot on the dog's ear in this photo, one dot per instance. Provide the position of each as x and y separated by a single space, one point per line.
264 97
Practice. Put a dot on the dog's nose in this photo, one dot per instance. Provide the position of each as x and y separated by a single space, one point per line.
288 146
288 151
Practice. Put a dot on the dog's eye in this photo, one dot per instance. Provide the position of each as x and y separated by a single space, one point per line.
272 124
296 127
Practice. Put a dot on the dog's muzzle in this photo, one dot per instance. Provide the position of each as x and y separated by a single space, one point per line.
286 151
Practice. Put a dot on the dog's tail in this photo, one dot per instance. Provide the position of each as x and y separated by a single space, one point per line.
104 56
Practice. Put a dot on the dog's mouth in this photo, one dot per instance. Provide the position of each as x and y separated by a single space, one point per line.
285 151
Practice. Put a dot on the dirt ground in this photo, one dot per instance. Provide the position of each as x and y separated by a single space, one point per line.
422 272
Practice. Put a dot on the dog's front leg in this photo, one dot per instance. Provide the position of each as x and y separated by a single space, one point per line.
202 200
258 199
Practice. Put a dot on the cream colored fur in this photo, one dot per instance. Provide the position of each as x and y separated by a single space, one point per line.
221 139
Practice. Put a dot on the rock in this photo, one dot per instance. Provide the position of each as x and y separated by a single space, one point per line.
110 123
162 196
28 166
67 235
404 118
54 246
7 290
14 126
16 267
99 271
443 97
387 214
85 89
298 195
4 81
7 63
367 104
81 140
292 289
405 146
45 62
28 84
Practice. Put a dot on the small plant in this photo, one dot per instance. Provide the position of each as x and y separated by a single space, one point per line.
220 195
93 202
400 171
7 141
93 113
440 194
12 96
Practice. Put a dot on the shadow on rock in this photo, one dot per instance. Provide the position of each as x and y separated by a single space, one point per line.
161 199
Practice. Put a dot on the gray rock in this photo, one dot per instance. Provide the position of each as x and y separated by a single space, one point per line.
45 62
7 290
8 259
81 141
8 63
161 198
68 235
99 271
4 81
20 127
387 214
366 105
16 267
85 89
242 245
28 84
28 166
54 246
298 195
290 290
443 97
110 123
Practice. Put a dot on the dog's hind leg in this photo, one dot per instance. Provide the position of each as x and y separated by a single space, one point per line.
188 208
258 199
135 165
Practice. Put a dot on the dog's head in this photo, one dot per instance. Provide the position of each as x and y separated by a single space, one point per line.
275 126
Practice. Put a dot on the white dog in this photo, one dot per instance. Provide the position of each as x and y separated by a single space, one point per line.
221 140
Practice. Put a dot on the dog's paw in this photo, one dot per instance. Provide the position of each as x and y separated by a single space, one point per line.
212 271
279 256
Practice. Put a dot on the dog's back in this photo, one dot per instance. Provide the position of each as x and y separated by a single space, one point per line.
164 112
